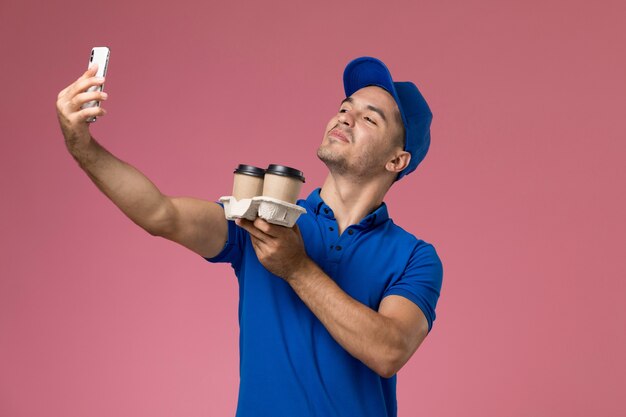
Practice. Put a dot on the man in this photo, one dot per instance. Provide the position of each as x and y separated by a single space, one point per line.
331 309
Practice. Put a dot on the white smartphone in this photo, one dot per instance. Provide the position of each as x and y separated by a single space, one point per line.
100 56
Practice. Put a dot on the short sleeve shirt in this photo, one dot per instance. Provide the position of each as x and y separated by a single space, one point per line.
289 363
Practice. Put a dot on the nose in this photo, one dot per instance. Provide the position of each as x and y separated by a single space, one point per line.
345 119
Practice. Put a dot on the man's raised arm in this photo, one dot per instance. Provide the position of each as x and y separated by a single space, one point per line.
196 224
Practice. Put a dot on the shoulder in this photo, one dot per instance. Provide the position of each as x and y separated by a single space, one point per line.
414 248
397 232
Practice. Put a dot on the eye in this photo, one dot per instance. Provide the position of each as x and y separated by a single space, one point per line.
343 110
370 120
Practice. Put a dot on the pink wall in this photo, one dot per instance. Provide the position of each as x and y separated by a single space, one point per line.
522 193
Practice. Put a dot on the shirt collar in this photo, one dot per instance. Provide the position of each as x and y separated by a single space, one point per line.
320 208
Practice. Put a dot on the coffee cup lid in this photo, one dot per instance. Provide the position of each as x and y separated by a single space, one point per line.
250 170
285 171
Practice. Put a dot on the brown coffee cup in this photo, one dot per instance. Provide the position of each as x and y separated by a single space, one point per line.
283 183
248 182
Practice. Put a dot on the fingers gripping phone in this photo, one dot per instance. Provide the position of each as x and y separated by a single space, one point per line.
100 56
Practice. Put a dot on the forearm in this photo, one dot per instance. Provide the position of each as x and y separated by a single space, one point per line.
124 185
366 334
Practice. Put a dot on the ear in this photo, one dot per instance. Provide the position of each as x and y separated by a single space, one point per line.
400 161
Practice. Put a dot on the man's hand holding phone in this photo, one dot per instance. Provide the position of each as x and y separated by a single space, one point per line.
79 103
73 118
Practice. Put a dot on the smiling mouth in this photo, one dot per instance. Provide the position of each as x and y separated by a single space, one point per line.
338 134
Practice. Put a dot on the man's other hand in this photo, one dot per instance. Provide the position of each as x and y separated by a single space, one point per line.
279 249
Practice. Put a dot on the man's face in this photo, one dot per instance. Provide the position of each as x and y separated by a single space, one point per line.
361 138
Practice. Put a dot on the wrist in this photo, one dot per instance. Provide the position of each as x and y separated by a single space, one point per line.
305 268
75 134
82 149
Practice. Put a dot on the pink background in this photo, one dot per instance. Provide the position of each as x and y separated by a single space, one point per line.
522 194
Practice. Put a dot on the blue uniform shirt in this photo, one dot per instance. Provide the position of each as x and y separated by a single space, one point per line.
289 364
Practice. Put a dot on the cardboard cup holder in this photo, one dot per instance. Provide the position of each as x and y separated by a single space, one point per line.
267 193
270 209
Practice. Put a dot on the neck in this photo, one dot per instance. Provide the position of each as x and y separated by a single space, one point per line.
350 201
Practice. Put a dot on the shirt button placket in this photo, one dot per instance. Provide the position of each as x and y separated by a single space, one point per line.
341 243
333 239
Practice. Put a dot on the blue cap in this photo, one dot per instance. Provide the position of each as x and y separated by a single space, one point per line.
416 114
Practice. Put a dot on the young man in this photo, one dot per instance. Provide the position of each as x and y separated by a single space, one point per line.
331 309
